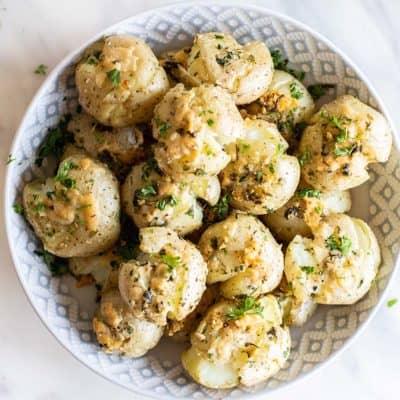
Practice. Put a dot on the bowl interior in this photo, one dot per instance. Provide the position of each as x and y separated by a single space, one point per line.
67 310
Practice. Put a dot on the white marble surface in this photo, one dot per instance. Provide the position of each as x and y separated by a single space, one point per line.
33 366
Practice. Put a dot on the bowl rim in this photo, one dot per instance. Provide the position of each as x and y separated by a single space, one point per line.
68 59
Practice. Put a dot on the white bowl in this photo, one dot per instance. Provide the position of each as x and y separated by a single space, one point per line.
67 311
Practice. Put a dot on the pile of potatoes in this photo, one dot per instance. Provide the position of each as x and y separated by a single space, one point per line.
240 236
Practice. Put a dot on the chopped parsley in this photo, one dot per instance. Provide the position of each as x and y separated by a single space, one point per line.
318 90
281 149
282 64
210 122
164 126
146 191
304 157
295 91
308 269
247 305
190 212
55 141
338 243
339 123
392 302
62 174
41 69
114 76
219 36
19 209
259 176
57 266
222 207
92 60
271 168
150 165
308 192
166 201
229 56
10 159
171 261
344 151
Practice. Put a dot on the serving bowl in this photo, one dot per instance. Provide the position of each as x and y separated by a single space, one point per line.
67 311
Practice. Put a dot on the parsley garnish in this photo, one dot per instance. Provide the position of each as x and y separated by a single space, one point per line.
281 149
304 157
339 243
295 92
222 207
282 64
392 302
62 174
308 269
259 176
339 123
114 76
55 141
219 36
150 165
19 209
308 192
318 90
168 200
171 261
247 305
10 159
164 126
271 168
344 151
57 266
227 58
210 122
92 60
146 191
41 69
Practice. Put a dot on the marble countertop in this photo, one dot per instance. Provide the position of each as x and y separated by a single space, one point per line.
33 365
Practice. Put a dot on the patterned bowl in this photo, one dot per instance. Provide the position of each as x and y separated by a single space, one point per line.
67 311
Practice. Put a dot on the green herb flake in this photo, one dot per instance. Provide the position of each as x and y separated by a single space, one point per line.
146 191
62 174
282 64
114 76
338 243
166 201
222 207
246 305
280 149
19 209
164 126
307 269
392 302
92 60
10 159
41 69
55 141
295 91
171 261
344 151
190 212
57 266
308 192
271 168
318 90
219 36
259 176
304 157
340 123
210 122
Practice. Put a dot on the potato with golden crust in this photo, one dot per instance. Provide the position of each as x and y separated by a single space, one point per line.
195 130
152 198
217 58
120 80
167 281
119 331
337 266
238 342
75 213
285 103
304 211
341 140
123 145
262 177
242 254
